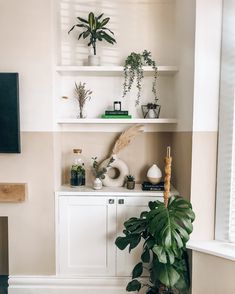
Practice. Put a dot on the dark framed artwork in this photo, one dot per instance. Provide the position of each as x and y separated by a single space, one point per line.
9 113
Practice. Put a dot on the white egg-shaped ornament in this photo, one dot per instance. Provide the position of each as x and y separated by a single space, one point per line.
154 174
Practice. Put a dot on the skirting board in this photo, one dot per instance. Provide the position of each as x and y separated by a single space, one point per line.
65 285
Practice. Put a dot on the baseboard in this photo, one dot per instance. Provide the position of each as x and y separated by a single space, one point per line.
66 285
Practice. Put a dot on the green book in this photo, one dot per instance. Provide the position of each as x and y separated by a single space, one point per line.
115 116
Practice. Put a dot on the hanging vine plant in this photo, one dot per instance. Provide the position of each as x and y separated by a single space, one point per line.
133 70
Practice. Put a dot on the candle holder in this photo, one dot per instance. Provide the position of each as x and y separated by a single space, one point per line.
151 110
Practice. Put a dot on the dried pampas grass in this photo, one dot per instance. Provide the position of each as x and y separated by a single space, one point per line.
126 138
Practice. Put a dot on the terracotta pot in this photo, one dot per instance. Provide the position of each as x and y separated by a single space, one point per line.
130 185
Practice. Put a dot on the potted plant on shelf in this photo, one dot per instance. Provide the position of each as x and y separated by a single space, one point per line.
99 173
133 70
82 95
95 28
130 183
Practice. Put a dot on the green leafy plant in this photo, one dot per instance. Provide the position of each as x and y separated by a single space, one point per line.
165 232
100 172
130 178
95 28
133 70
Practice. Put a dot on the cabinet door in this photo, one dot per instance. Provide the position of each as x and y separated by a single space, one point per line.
87 231
128 207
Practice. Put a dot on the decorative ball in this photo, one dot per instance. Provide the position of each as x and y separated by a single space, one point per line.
154 174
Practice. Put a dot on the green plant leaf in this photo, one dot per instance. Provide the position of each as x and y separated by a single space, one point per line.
71 29
161 253
145 256
100 16
167 275
86 34
82 20
134 285
122 242
137 271
91 19
104 22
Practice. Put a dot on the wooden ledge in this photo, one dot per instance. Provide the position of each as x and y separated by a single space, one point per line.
13 192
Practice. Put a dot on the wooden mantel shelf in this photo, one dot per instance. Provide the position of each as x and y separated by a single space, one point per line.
13 192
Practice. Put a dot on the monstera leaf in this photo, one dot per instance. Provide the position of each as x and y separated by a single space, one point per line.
165 231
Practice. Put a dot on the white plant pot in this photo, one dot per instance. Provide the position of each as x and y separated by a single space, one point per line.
97 185
93 60
154 174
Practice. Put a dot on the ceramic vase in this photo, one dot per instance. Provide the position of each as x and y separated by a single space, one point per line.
97 185
93 60
154 174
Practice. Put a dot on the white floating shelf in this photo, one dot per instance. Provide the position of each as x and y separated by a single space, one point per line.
117 121
111 70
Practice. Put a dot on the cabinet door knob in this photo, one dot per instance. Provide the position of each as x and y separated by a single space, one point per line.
111 201
121 201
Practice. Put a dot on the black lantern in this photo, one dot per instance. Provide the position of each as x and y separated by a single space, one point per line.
151 110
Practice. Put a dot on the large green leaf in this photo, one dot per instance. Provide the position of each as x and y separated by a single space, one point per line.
166 226
145 256
131 239
167 275
134 285
137 271
161 253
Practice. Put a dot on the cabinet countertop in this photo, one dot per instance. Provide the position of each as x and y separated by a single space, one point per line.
66 190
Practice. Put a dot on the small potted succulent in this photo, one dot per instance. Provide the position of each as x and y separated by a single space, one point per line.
130 182
133 70
82 95
95 28
99 173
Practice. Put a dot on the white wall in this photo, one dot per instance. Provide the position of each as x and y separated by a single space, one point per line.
26 47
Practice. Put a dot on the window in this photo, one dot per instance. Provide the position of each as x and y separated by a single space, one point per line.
225 204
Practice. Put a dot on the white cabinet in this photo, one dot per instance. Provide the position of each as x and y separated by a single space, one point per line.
131 207
87 229
87 232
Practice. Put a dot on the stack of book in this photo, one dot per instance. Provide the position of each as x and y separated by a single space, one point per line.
147 186
116 114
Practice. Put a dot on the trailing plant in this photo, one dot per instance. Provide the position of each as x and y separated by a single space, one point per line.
133 70
82 95
130 178
165 232
95 28
100 172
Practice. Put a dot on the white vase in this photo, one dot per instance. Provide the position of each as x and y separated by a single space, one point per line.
97 184
154 174
118 165
93 60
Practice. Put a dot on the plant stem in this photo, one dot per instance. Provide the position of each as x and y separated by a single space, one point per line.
94 46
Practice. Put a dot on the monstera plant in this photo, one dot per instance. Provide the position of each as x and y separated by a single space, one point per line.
165 231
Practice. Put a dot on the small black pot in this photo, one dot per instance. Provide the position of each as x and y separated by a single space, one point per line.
130 185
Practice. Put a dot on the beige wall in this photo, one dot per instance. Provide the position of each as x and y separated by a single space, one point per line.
31 223
145 150
181 165
203 183
212 275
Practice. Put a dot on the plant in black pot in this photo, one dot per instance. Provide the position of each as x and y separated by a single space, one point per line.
130 182
95 28
165 230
